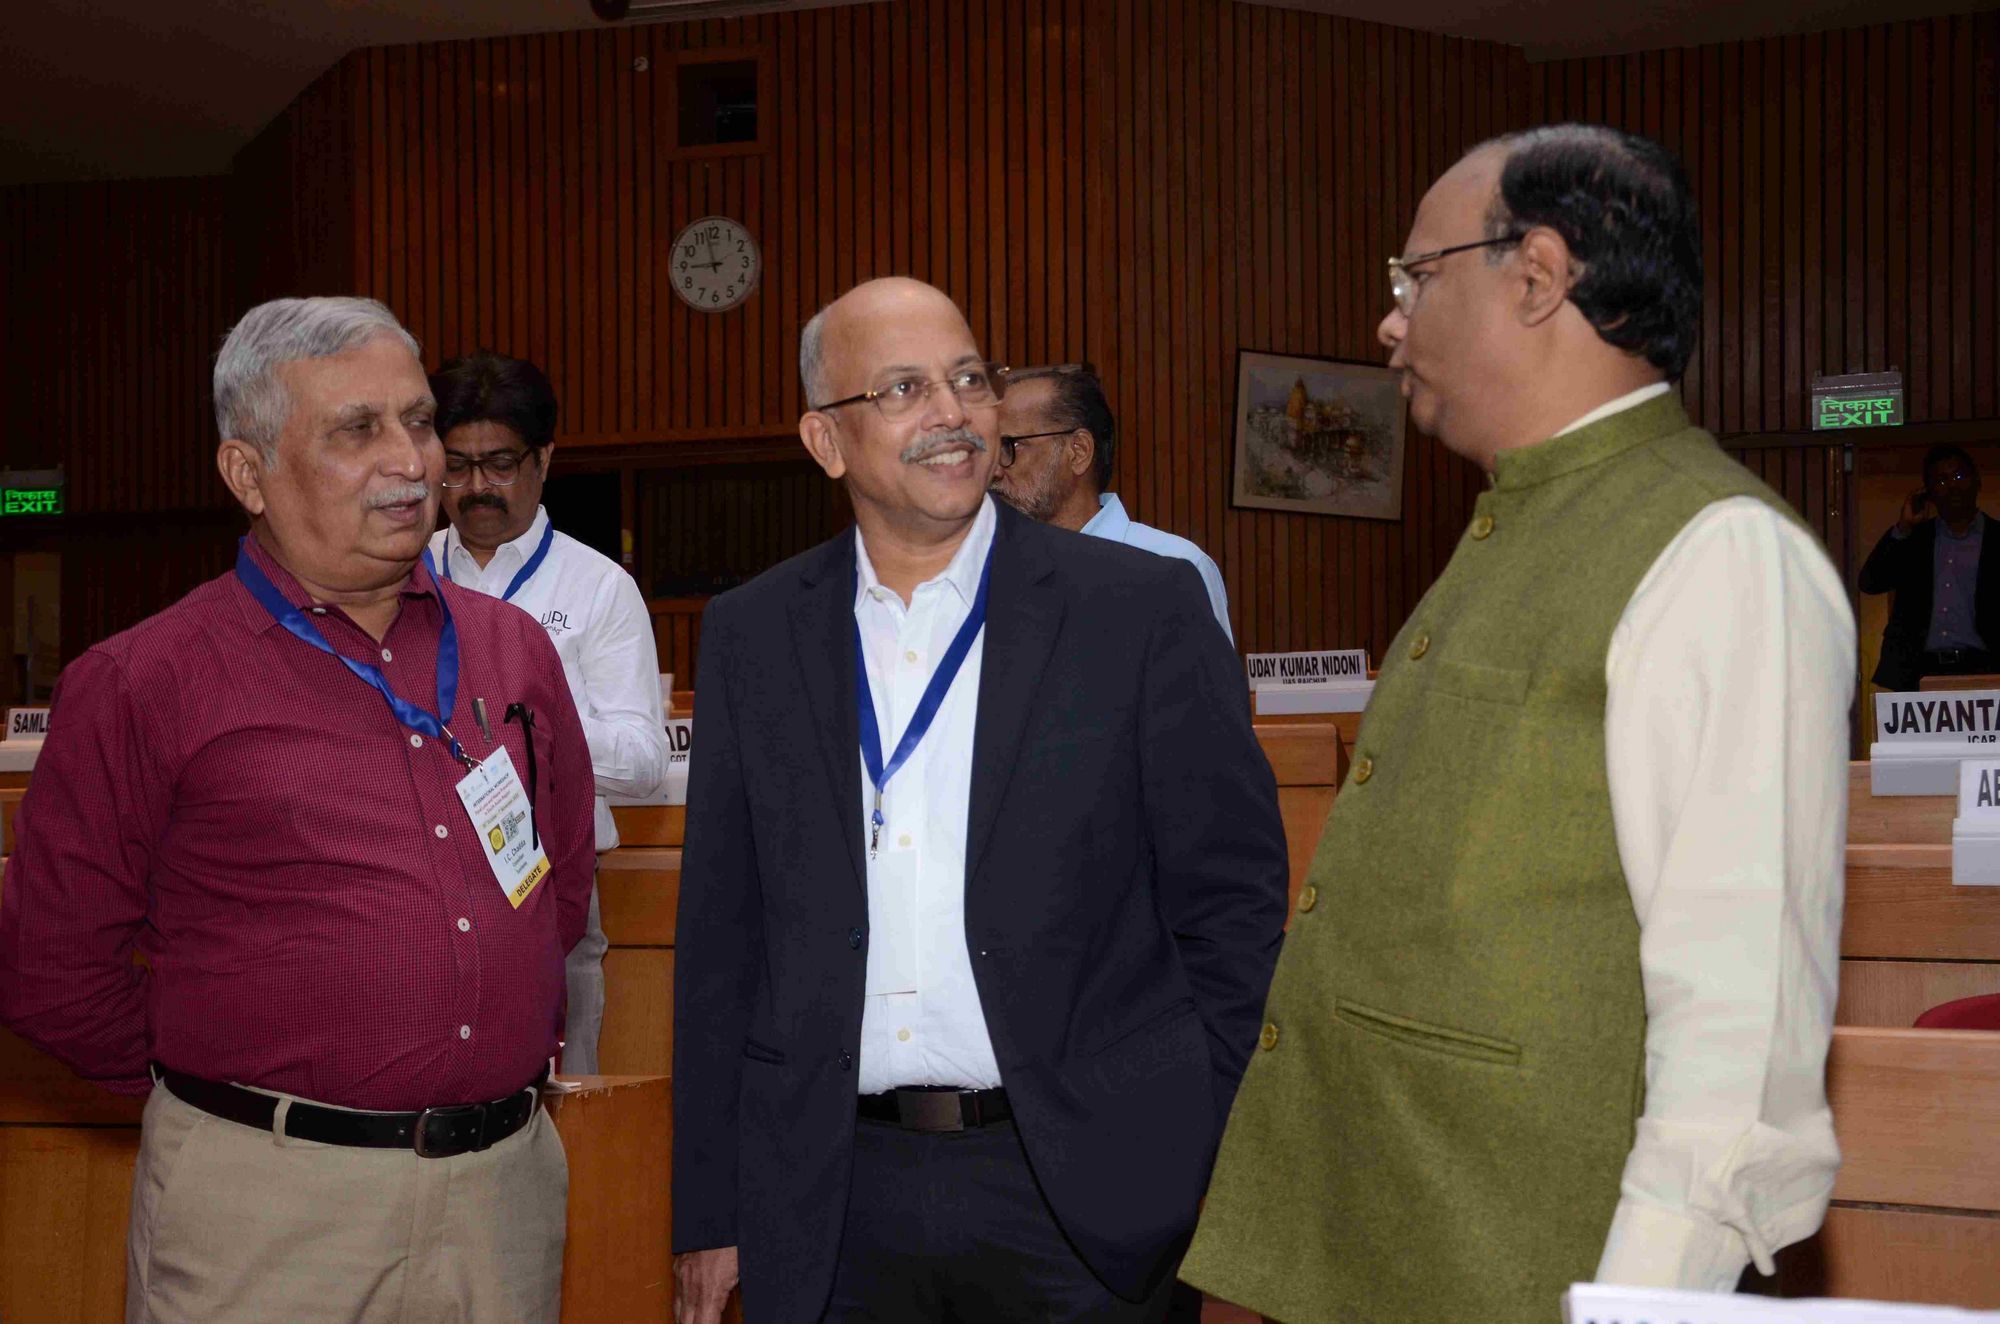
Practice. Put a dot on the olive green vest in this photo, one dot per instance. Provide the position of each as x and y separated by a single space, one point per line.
1435 1125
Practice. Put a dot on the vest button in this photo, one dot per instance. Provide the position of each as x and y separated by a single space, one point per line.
1482 528
1363 770
1269 1039
1308 898
854 938
1420 646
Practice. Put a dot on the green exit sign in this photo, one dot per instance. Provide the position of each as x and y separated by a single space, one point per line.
31 501
1859 400
31 491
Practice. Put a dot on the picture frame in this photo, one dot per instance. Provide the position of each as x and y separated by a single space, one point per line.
1318 436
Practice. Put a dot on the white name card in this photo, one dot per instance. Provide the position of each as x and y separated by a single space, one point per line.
1267 669
1963 717
1975 833
1920 739
1589 1303
27 723
680 744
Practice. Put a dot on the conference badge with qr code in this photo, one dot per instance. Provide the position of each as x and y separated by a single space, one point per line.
498 805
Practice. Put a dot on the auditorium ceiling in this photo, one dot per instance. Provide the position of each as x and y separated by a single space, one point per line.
124 89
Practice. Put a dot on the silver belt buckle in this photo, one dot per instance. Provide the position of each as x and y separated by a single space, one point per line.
453 1113
930 1110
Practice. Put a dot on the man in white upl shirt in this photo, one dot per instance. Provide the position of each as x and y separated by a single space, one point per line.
497 418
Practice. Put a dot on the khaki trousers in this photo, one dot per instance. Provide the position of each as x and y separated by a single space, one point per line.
230 1223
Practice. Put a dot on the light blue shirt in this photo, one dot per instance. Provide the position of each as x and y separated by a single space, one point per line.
1112 522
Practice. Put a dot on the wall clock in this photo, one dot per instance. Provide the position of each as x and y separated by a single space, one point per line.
714 264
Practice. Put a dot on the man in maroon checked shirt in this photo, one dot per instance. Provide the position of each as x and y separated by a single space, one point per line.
344 811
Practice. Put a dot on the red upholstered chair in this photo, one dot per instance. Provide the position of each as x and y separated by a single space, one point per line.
1980 1013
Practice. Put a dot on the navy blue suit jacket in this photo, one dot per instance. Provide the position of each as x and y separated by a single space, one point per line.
1125 898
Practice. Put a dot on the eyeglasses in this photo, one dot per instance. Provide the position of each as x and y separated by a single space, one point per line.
1403 285
501 468
977 385
1007 444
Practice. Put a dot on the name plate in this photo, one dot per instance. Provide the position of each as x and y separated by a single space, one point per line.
1962 717
1268 669
1920 739
680 744
27 723
1589 1303
1975 833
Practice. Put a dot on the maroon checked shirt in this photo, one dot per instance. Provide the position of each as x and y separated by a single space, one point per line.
315 911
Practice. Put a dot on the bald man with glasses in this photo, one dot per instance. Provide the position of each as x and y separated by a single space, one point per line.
983 884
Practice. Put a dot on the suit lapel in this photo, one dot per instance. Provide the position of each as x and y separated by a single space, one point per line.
822 618
1024 612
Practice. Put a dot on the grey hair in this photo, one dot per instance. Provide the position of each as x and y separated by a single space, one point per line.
251 402
812 357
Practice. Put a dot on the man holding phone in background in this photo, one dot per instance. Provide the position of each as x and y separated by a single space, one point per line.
1945 618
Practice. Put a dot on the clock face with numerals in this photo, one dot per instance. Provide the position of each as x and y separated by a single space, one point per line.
714 264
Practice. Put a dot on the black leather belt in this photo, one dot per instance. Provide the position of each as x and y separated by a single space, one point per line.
464 1128
935 1108
1951 657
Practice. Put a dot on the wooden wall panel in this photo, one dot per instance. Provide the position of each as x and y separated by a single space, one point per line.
113 299
1153 186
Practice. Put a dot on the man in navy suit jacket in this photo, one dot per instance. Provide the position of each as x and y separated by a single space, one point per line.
983 885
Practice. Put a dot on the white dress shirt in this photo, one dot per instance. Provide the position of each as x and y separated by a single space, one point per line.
1113 523
598 621
1730 674
921 1022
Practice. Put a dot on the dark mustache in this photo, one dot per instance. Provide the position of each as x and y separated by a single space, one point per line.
472 502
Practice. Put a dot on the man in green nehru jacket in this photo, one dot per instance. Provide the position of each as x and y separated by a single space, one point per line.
1556 999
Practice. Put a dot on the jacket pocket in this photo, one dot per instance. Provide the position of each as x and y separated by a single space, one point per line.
1173 1011
1481 684
757 1052
1422 1034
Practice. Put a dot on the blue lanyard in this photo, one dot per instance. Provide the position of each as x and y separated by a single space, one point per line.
927 705
525 573
300 625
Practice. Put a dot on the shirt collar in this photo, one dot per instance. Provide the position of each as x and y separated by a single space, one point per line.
1977 529
419 585
962 574
511 555
1618 406
1110 521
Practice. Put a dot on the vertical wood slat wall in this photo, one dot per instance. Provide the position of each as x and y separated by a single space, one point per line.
1150 184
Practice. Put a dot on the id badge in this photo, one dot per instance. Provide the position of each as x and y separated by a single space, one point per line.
892 923
497 804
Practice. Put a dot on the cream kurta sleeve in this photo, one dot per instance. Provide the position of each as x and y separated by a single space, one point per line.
1730 676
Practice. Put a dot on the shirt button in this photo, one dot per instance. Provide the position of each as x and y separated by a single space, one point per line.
1363 770
1420 646
1308 898
903 1036
319 611
903 840
910 656
1482 528
442 834
416 742
464 925
387 656
1269 1039
465 1031
847 1061
854 939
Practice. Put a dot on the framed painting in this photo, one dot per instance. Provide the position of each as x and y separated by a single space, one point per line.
1318 436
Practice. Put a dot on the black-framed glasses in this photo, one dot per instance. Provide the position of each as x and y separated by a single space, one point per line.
1007 444
1403 284
501 468
976 385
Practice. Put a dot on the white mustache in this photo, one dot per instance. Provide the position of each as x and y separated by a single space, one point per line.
925 447
401 494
